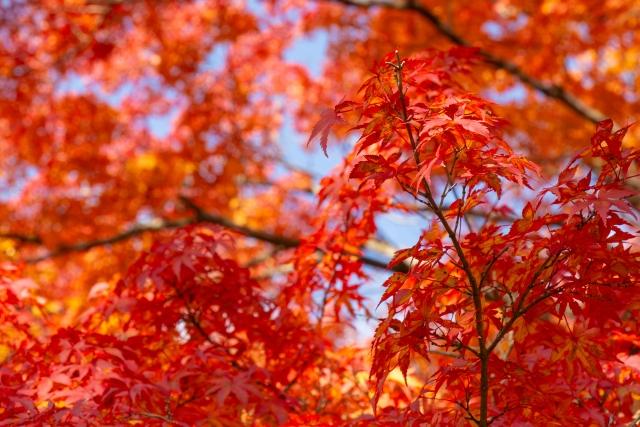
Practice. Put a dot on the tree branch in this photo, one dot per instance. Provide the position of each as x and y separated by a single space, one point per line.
125 235
520 308
200 217
483 355
552 91
287 242
155 416
24 238
193 319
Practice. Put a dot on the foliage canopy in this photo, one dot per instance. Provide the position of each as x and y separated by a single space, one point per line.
165 261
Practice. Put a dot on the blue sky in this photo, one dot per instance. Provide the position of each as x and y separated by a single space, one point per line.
310 52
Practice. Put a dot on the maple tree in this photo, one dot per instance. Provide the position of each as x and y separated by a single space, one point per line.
165 263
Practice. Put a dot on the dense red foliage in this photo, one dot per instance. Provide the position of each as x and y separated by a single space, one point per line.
196 278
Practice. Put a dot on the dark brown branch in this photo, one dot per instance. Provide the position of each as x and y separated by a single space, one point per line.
200 216
152 415
487 269
520 309
552 91
469 416
125 235
495 417
287 242
24 238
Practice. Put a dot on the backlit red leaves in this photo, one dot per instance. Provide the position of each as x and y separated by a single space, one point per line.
328 119
168 343
552 274
199 326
